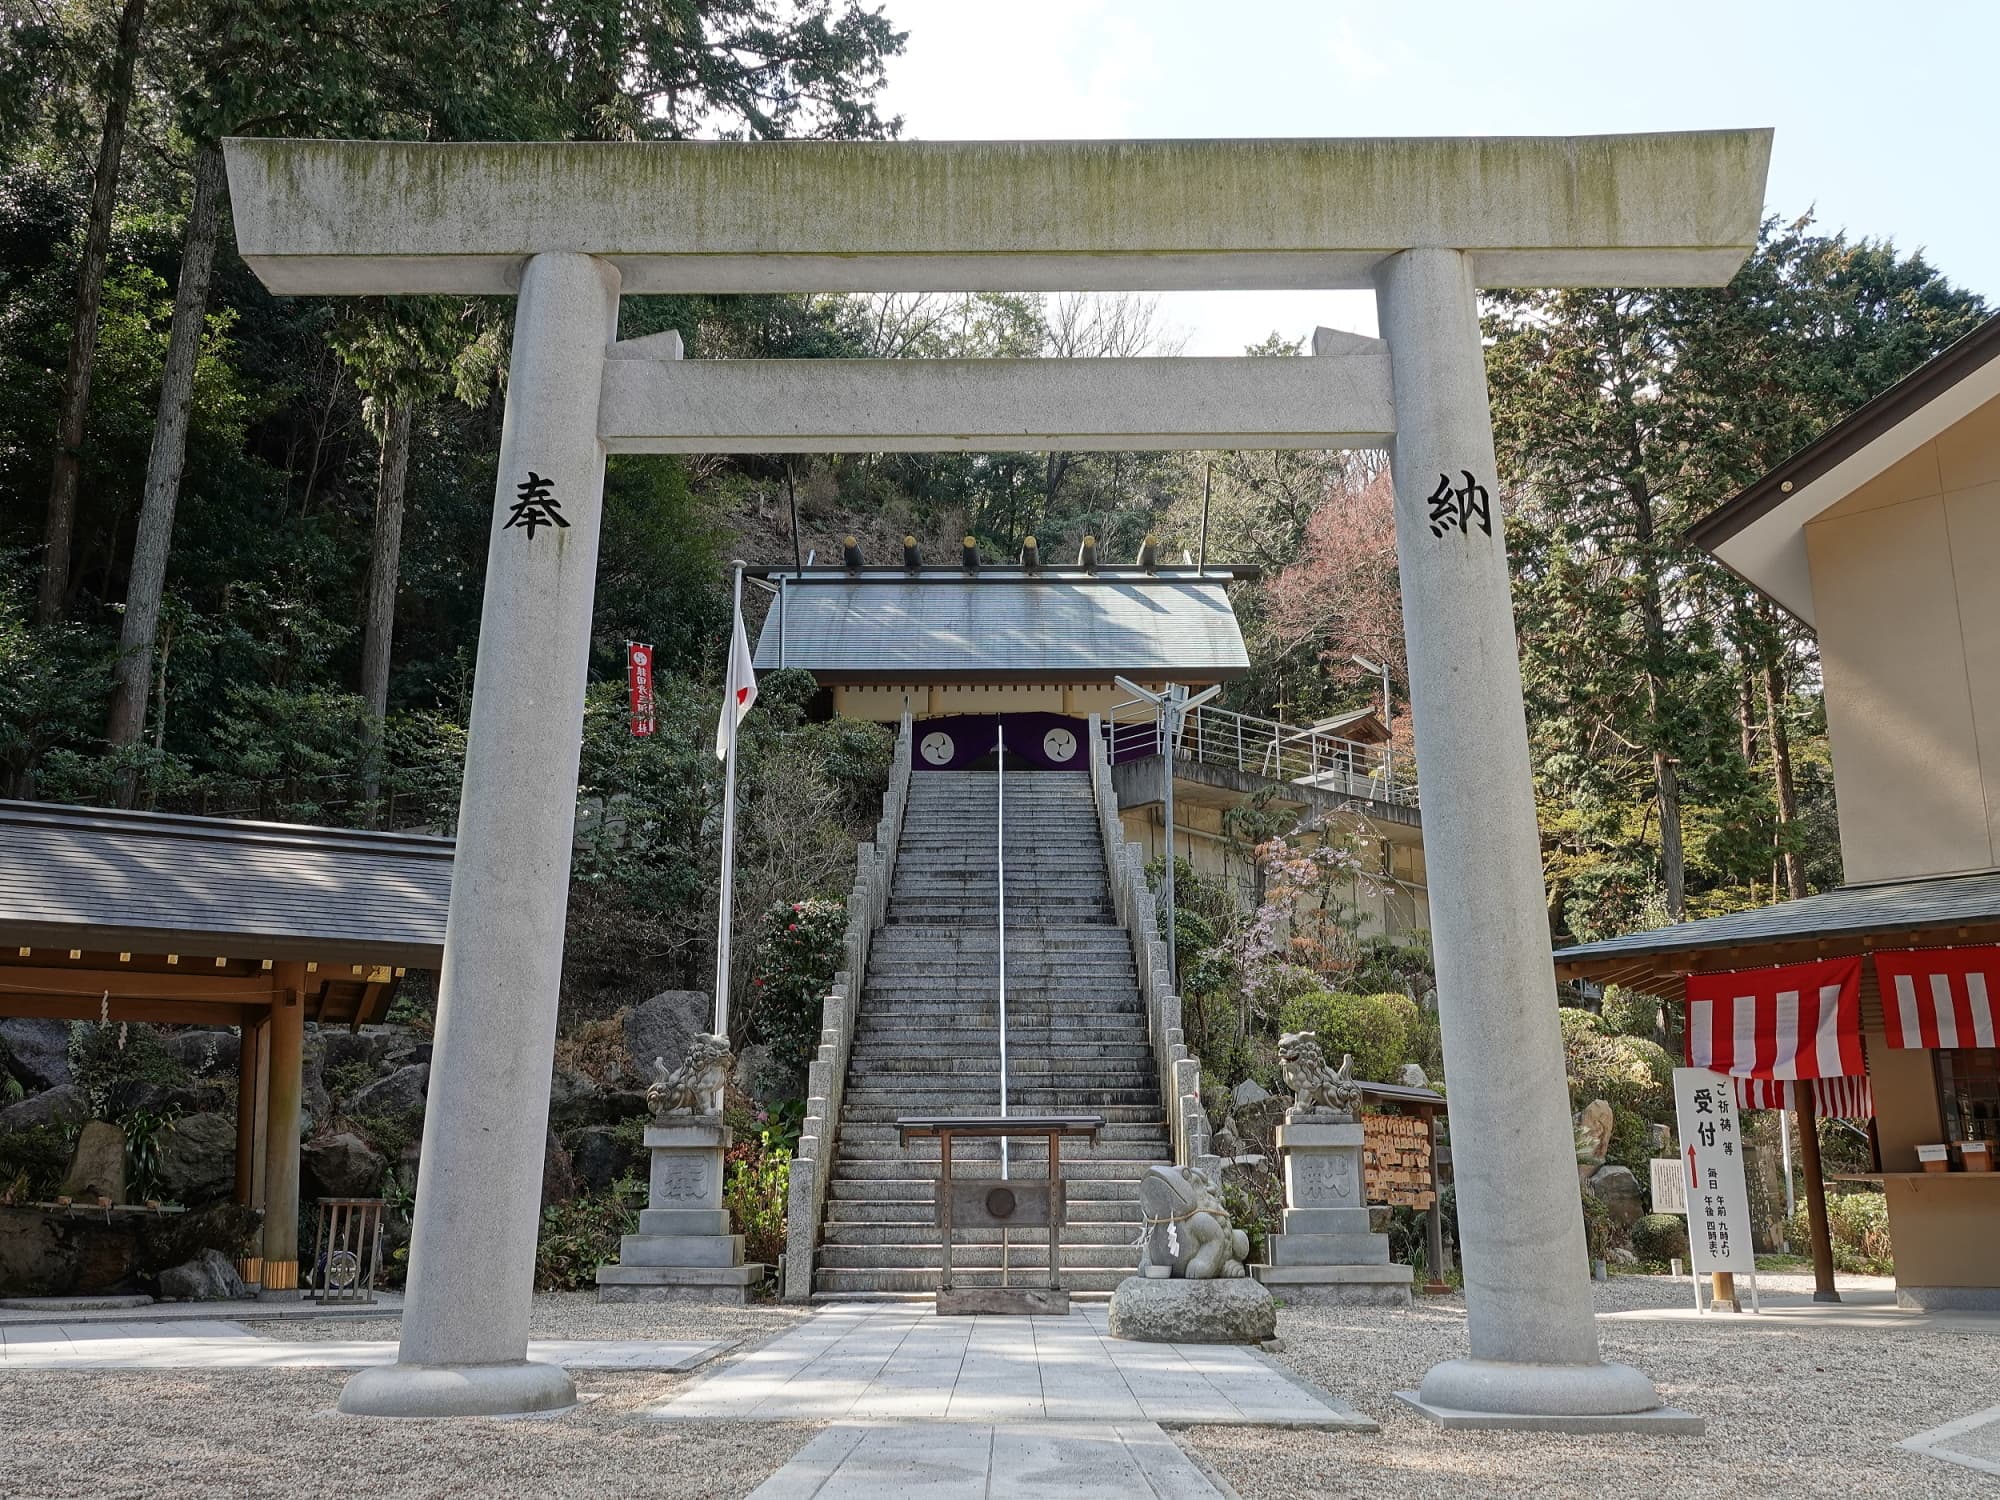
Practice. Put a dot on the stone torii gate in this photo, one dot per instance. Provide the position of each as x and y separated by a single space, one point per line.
1423 222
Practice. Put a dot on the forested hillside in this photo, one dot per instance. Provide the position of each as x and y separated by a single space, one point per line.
241 537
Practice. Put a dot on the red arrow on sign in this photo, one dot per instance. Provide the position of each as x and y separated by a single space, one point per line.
1693 1181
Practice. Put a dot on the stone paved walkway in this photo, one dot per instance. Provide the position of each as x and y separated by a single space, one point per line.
1972 1442
1037 1461
901 1363
216 1345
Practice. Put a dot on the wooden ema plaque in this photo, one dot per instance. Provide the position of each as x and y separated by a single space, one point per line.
1396 1159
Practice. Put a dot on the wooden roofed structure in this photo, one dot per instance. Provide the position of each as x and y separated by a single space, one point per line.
109 915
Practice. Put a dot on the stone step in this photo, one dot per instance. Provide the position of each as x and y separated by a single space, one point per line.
965 1100
905 1215
836 1284
1111 1232
1027 1152
1029 1250
1125 1171
865 1133
884 1110
909 1190
1126 1162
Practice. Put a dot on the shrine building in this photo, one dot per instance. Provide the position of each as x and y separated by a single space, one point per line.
1877 1002
1027 656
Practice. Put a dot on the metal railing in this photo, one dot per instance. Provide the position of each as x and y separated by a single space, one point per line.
1305 755
1188 1125
1000 938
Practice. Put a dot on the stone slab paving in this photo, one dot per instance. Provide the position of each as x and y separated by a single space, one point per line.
1972 1442
975 1461
65 1310
218 1345
906 1364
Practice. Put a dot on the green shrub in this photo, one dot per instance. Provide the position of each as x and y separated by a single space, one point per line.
1623 1071
756 1185
1858 1225
1660 1237
1391 963
582 1233
1629 1013
1375 1028
796 963
1596 1225
103 1056
33 1161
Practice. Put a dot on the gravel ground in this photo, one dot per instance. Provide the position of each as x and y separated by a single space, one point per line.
124 1435
1796 1411
1793 1412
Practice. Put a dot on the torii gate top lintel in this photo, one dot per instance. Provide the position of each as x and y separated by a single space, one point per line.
387 217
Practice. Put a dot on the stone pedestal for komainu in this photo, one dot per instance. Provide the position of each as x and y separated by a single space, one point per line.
1192 1286
684 1250
1329 1251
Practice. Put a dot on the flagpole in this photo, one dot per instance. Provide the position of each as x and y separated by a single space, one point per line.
728 881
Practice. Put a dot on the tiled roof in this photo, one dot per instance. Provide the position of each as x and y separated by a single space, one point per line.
892 630
86 877
1852 911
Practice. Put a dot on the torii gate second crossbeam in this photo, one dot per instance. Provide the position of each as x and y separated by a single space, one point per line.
1425 223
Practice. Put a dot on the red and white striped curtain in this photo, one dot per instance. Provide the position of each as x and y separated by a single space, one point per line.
1797 1021
1833 1098
1939 997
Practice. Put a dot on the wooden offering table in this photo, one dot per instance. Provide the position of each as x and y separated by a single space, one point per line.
1004 1203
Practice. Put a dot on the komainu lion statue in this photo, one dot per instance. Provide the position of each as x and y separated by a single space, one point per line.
1187 1228
1316 1088
691 1088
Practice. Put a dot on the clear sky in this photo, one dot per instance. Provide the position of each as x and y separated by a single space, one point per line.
1887 115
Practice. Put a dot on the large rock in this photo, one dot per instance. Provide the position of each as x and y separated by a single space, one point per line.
398 1096
97 1169
340 1166
558 1176
37 1051
1619 1191
198 1158
315 1103
1594 1124
665 1026
1247 1093
577 1100
59 1105
46 1254
1235 1311
598 1157
341 1048
209 1277
169 1239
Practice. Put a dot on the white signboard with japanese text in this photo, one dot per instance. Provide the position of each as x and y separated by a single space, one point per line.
1718 1200
1670 1185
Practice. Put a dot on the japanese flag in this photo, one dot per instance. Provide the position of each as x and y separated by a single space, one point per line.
739 692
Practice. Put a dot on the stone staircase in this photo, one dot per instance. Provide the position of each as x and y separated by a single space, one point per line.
927 1041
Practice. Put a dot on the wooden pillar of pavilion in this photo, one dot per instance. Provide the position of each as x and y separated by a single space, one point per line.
281 1151
1807 1115
249 1129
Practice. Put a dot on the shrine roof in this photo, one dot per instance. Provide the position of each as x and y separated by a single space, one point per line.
1850 919
1005 625
108 879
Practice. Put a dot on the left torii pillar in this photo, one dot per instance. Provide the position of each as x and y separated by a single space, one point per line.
472 1255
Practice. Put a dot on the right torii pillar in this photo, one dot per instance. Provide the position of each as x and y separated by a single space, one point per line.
1533 1334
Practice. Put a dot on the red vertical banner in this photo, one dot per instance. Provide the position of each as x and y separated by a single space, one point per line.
639 676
